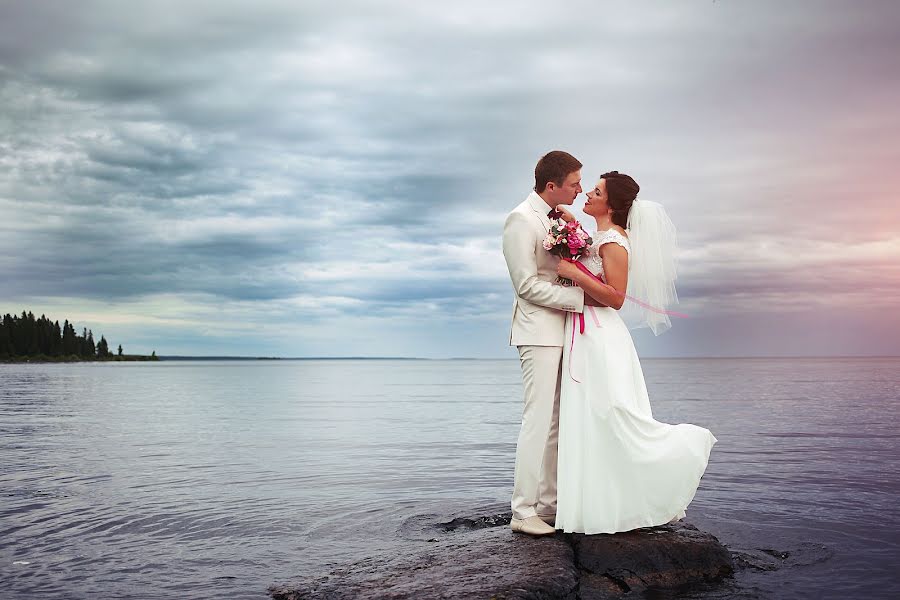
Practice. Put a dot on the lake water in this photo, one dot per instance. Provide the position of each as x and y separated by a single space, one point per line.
218 478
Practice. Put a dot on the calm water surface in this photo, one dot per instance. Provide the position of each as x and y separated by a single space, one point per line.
219 478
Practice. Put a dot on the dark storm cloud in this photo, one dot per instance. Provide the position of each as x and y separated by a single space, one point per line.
313 157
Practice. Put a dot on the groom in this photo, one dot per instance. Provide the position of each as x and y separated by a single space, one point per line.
538 328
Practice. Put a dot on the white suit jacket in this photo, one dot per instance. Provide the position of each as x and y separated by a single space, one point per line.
540 304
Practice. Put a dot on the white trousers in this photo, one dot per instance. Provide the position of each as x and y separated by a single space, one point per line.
534 490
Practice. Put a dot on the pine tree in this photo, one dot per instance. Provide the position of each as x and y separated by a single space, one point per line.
31 340
102 348
9 323
56 343
5 345
69 343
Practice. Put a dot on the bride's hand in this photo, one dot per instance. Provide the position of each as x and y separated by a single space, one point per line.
568 270
567 216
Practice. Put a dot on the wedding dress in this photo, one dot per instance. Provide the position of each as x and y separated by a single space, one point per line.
618 468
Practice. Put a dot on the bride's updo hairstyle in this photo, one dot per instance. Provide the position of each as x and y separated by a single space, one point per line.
621 190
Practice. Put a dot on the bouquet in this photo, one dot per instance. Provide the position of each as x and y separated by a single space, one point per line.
567 240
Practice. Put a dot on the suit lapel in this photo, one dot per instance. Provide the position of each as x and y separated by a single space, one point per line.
538 206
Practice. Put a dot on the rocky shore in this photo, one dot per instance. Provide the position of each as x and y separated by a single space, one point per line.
480 557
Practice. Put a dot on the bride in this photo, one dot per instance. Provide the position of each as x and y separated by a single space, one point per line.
618 468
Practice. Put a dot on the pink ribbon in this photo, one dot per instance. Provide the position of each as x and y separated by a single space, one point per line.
596 319
671 313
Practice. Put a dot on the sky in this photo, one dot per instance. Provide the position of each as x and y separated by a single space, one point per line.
294 179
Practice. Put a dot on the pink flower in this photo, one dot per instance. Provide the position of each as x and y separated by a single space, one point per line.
568 240
575 242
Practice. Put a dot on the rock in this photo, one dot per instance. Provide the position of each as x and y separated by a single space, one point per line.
668 556
480 557
477 564
769 559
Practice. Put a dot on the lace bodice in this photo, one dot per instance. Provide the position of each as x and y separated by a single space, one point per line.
591 258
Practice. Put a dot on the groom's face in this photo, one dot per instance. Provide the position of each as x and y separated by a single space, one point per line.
568 191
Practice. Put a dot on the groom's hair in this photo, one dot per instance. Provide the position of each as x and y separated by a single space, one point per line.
554 166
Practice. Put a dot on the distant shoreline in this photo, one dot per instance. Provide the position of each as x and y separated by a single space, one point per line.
416 358
74 359
176 357
181 358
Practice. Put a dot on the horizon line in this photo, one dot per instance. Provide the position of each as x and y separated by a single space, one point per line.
233 357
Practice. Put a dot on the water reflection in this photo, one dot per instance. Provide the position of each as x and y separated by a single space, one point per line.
205 479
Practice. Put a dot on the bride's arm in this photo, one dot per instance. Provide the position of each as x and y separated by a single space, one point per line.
591 301
615 267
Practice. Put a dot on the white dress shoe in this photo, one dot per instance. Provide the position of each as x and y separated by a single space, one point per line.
532 526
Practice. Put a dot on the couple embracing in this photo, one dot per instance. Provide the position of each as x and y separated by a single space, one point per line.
590 457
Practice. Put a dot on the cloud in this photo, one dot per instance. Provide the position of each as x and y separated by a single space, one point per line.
347 168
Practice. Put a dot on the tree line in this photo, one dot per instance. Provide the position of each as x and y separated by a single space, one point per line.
26 337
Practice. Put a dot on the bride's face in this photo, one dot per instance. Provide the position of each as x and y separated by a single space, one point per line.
596 204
